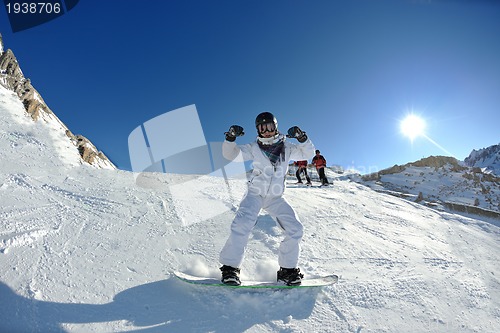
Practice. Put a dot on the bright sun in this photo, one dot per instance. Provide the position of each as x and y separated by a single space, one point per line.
412 126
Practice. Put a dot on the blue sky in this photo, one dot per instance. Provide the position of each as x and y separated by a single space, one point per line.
347 72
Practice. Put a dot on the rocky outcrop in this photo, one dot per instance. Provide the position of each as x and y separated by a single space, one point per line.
472 209
12 78
486 158
435 162
376 175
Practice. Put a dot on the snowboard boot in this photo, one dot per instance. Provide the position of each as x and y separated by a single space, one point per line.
291 276
230 275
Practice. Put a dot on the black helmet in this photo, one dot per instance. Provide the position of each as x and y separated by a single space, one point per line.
266 117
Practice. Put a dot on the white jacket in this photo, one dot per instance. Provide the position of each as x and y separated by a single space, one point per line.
268 180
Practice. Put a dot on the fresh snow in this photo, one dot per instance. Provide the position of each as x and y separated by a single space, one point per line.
88 250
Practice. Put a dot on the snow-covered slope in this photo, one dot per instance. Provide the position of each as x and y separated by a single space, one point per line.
442 182
87 250
13 80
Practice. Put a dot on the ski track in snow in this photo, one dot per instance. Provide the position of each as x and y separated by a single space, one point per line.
86 250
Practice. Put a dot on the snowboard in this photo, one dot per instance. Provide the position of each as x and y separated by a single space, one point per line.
306 283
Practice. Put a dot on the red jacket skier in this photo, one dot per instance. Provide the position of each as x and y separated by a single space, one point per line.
320 162
302 168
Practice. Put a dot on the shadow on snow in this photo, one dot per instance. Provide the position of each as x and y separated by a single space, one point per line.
160 306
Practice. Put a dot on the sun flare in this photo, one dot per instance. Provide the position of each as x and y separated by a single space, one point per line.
412 126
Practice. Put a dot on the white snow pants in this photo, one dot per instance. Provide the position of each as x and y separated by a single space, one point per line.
246 217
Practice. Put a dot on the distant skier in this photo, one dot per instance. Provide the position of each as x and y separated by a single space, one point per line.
302 168
271 154
320 162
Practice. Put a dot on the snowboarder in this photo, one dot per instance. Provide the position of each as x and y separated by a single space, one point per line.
271 154
302 168
320 162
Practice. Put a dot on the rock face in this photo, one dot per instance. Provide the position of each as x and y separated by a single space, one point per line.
12 78
435 162
486 158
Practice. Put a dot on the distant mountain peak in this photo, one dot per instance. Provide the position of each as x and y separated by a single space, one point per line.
487 159
13 79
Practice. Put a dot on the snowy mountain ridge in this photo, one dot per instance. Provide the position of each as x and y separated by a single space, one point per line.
487 159
13 79
444 182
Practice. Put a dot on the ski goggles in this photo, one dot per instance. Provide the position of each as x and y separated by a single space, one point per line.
266 127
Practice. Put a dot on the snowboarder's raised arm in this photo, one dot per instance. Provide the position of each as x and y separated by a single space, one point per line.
305 149
230 150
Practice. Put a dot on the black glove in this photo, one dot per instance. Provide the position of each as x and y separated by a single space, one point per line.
296 132
233 132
